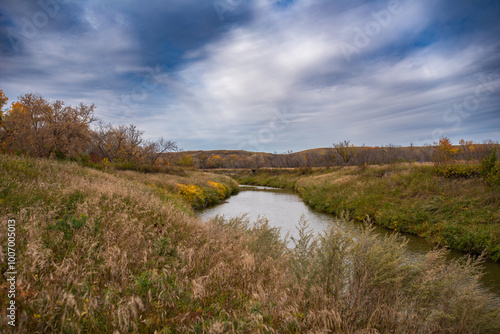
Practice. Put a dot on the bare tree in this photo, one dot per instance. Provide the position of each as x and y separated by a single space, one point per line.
126 144
344 151
4 133
156 149
118 143
101 140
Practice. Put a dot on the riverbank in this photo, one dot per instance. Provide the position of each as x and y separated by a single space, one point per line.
461 213
120 251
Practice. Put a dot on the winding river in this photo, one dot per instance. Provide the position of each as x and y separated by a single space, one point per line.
284 209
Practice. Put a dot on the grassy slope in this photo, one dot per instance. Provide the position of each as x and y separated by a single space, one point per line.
463 214
104 252
100 249
198 189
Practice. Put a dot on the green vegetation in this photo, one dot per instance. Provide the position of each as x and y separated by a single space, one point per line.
121 251
448 204
199 189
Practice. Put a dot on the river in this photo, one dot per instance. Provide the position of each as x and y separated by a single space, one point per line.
284 209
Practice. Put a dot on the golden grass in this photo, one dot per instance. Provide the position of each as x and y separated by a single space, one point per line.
122 253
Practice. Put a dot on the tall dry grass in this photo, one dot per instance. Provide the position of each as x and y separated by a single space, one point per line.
461 212
109 253
347 283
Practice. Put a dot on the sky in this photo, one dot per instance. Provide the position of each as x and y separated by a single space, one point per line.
264 75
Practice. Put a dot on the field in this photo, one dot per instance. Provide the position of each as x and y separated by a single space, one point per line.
121 251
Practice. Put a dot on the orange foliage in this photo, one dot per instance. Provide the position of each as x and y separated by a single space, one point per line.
3 101
41 128
445 151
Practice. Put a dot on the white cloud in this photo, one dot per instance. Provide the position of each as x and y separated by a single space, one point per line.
257 69
82 68
231 88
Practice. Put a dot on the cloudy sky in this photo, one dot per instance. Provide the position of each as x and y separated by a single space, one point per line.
264 75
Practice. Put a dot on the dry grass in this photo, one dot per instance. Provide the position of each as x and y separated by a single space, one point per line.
122 252
460 212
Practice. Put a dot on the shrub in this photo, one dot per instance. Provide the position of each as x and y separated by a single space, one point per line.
457 170
494 175
193 194
444 151
221 190
489 162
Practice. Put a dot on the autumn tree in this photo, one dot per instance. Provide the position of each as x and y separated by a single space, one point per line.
345 151
392 153
466 148
215 161
125 143
3 102
117 143
444 151
203 161
232 160
41 128
3 131
104 144
185 160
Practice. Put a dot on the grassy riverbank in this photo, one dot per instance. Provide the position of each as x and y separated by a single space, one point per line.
462 213
121 251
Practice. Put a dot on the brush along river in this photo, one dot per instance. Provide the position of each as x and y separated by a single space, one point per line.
284 209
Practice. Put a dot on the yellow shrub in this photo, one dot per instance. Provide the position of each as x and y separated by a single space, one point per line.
222 190
192 193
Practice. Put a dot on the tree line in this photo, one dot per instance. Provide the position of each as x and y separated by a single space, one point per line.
36 127
342 153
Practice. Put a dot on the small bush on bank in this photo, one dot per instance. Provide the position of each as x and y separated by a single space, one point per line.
490 168
458 170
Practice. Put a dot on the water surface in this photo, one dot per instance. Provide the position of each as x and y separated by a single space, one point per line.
284 209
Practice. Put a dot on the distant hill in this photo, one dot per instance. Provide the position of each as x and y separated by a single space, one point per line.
323 157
